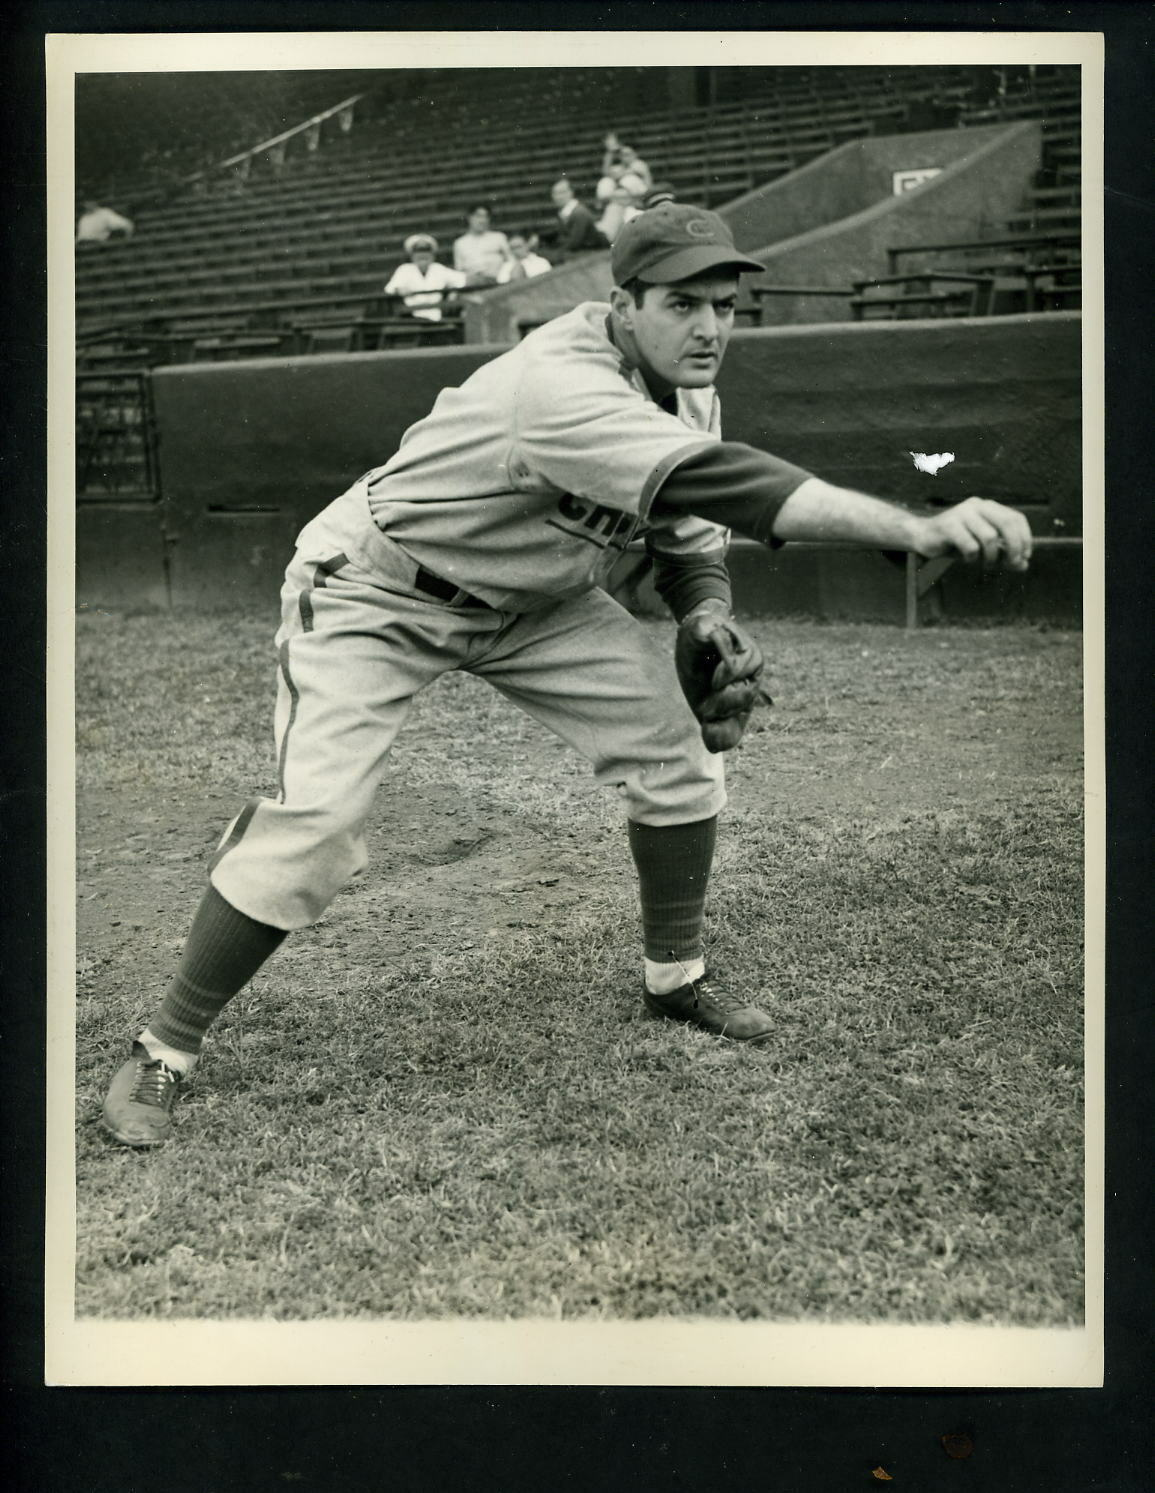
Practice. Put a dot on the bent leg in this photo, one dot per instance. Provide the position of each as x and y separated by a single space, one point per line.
588 670
352 656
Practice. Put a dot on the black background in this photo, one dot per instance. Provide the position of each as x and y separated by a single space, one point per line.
201 1441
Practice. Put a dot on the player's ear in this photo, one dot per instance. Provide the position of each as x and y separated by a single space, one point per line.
622 304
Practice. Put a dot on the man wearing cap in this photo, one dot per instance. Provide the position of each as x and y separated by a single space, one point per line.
482 544
422 282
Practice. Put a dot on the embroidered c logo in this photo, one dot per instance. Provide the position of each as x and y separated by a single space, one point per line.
699 228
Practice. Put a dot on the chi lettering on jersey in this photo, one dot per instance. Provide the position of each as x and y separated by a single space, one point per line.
593 521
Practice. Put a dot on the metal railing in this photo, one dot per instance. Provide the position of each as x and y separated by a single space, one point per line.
115 437
284 327
241 163
276 147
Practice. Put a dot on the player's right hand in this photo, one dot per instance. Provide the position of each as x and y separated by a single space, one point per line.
978 529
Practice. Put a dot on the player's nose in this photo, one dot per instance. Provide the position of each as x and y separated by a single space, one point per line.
706 325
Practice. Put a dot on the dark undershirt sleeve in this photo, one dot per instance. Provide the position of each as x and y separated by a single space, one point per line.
682 581
731 484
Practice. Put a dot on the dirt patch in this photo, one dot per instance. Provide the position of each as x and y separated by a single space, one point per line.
445 872
485 826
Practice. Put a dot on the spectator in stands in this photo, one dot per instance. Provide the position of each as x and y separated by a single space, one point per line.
526 261
480 251
577 232
634 164
625 203
661 191
619 160
423 282
98 224
619 178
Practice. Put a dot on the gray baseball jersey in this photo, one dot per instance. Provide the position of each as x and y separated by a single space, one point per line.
526 483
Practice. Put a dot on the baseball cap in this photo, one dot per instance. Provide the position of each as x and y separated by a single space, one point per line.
661 191
420 241
672 242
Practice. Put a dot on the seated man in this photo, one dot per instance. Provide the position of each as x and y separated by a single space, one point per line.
480 251
577 232
526 261
633 163
618 160
423 282
98 224
623 205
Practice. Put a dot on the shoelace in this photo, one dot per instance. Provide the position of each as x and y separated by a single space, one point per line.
724 1000
155 1083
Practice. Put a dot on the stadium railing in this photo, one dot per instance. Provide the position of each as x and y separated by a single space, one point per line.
305 231
115 436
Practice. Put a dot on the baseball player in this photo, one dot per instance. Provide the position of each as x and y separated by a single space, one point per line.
481 545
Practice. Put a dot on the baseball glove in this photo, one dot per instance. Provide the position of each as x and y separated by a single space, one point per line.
718 668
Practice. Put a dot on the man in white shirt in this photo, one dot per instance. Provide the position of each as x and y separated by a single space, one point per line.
98 224
622 160
635 166
526 262
481 251
423 282
620 209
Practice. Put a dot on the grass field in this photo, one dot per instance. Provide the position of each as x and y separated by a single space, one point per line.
446 1099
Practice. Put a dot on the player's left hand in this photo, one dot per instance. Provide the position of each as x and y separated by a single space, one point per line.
719 668
978 529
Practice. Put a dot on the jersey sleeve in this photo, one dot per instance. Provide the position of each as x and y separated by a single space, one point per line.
595 436
730 484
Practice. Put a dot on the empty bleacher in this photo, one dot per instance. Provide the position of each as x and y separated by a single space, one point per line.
1031 262
254 255
288 253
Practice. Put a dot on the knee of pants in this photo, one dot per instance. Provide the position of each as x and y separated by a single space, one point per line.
287 865
683 784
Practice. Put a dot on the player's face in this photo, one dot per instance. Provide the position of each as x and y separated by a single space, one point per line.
681 331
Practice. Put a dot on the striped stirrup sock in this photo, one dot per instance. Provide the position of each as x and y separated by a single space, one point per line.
225 949
673 864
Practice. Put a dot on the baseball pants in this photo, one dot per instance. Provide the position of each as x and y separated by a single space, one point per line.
359 639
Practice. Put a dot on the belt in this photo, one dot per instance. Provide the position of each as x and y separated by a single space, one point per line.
433 585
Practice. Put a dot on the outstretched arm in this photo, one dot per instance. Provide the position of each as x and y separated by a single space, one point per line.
976 528
771 500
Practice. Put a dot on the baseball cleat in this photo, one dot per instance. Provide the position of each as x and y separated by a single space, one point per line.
138 1110
708 1005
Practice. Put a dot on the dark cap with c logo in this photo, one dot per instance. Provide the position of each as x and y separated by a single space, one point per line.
674 242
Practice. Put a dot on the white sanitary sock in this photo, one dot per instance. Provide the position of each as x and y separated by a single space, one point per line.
661 979
180 1062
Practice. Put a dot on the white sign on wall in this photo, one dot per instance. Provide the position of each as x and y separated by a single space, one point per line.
906 181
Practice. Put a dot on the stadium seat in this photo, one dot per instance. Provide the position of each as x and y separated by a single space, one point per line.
332 223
